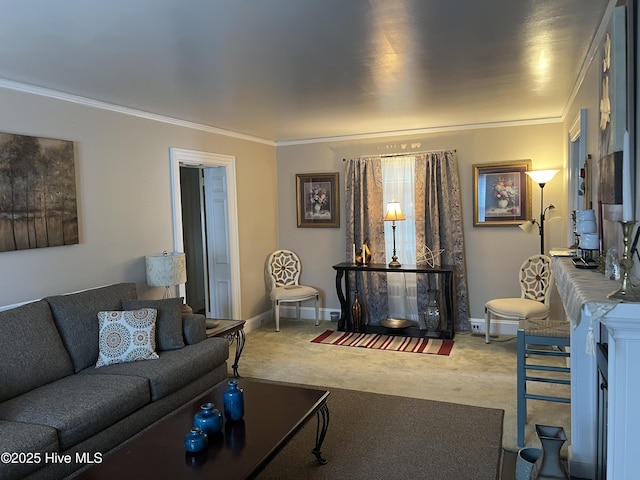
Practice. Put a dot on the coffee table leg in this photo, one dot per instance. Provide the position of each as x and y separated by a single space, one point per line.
321 431
239 337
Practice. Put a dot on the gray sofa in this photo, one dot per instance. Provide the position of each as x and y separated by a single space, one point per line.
53 399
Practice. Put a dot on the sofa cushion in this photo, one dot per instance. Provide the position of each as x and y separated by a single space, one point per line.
79 406
174 369
31 352
29 439
76 316
194 328
127 336
168 322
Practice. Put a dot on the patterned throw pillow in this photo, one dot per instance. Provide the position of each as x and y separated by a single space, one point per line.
127 336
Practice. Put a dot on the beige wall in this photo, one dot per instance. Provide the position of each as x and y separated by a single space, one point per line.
494 254
124 200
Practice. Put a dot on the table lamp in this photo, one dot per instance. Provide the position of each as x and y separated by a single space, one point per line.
166 269
393 214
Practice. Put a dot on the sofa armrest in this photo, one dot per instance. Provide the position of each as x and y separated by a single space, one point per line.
194 329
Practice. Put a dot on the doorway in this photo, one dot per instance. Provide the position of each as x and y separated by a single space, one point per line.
576 179
205 227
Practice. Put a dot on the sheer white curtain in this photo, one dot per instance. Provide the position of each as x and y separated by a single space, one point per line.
398 180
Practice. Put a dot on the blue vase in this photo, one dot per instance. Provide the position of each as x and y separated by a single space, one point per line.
208 419
233 402
195 441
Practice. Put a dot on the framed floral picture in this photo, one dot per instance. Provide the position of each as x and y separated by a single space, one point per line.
317 200
501 193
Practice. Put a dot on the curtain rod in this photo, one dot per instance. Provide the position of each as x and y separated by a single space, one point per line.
390 155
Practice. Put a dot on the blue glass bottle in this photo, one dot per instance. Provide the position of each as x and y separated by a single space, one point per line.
233 402
195 441
208 419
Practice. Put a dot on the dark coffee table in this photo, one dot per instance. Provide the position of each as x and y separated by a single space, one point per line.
273 415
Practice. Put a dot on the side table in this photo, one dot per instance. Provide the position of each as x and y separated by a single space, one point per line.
231 330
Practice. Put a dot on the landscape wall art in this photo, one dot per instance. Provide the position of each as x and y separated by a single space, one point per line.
38 205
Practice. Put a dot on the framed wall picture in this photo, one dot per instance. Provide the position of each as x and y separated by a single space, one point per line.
501 193
318 200
38 202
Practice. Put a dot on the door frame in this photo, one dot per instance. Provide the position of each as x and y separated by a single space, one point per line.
577 156
193 158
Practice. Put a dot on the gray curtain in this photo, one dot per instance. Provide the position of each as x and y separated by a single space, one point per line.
439 224
364 211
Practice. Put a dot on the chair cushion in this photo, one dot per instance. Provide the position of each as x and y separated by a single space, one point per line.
293 293
517 308
168 322
127 336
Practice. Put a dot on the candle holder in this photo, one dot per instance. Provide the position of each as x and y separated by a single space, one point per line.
626 291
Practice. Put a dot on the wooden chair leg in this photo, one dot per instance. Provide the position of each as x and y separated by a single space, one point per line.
277 315
317 312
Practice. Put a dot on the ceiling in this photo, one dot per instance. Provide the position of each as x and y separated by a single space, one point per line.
293 70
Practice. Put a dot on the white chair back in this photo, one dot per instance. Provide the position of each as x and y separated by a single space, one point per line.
284 268
536 278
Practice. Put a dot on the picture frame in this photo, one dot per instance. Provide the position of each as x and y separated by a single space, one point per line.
501 193
38 198
318 199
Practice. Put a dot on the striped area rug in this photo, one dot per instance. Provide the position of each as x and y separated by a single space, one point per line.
433 346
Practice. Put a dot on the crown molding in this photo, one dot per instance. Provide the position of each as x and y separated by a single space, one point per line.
88 102
422 131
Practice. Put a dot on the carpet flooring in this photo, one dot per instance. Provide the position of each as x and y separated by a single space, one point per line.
398 343
390 437
475 373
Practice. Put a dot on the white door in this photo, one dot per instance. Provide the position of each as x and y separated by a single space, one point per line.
217 242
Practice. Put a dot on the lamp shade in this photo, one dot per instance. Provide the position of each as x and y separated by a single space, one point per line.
542 176
166 269
394 212
527 226
552 214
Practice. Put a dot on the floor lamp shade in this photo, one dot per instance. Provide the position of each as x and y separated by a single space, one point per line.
166 269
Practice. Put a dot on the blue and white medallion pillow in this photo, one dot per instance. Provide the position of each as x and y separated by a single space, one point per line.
127 336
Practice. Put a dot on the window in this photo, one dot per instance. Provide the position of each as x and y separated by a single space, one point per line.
398 174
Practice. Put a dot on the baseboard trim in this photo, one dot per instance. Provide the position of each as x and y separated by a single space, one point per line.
498 326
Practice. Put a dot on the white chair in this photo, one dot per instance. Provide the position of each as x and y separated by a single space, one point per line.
536 279
284 271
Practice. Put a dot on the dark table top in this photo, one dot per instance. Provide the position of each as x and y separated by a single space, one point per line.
383 267
273 414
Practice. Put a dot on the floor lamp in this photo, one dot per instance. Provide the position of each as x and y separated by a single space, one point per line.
541 177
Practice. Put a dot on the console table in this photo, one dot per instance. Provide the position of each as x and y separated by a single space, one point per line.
584 295
344 295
